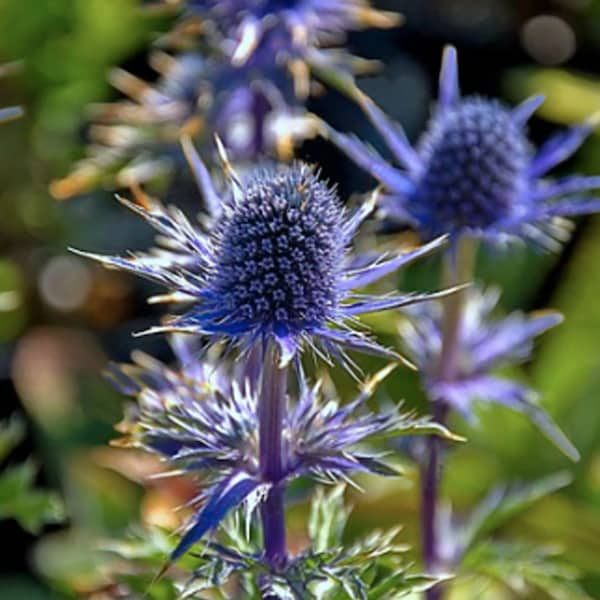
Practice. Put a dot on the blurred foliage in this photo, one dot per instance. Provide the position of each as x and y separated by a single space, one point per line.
19 498
66 47
370 568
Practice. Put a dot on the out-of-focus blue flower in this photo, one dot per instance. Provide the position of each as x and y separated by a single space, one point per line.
201 425
247 82
274 265
252 108
484 344
474 171
303 27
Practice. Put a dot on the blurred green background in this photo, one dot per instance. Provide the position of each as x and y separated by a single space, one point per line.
61 319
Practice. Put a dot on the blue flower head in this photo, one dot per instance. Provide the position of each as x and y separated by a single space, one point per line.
485 343
135 140
275 264
301 26
246 81
205 427
474 171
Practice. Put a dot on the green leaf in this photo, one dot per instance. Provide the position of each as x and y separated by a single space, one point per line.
143 586
327 519
12 433
20 500
410 425
566 369
402 584
503 504
526 569
372 567
150 545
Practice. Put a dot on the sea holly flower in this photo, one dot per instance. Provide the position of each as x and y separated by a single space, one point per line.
270 274
474 171
247 82
302 27
275 265
201 425
135 140
484 343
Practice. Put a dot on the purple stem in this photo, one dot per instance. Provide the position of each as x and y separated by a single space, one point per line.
430 477
458 269
271 415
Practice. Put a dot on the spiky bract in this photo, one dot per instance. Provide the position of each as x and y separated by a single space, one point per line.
209 430
485 343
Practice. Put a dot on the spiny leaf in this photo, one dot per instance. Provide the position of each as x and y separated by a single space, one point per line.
409 424
328 517
230 494
402 584
20 500
525 569
504 503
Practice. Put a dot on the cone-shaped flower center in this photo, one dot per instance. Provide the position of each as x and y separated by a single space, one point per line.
475 157
280 251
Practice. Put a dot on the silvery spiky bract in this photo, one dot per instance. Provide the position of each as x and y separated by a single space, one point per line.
201 425
474 171
275 264
485 343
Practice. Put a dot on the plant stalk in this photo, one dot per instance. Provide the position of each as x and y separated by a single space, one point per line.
271 415
458 269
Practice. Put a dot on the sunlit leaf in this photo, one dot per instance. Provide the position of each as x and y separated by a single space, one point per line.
20 500
328 517
526 569
504 503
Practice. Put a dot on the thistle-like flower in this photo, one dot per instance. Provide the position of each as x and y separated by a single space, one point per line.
252 108
474 171
484 344
248 84
275 265
201 425
302 27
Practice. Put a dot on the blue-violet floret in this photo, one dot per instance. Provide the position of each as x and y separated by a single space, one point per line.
474 171
276 264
